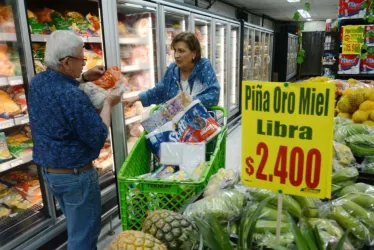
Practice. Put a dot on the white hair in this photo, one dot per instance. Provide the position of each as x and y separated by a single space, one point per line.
60 44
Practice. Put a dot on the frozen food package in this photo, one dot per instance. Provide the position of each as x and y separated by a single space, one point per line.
29 190
14 199
5 155
176 105
4 190
4 211
187 156
6 19
8 108
165 133
96 94
18 95
110 78
16 176
19 144
196 124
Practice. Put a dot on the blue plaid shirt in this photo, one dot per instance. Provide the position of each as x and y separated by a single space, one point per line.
67 130
203 85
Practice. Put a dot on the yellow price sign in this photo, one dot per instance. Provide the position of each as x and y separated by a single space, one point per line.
288 136
352 49
353 39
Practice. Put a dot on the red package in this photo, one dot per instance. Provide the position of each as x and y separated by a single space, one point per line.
349 64
110 78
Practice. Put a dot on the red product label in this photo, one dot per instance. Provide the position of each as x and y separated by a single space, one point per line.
369 31
369 64
349 64
349 8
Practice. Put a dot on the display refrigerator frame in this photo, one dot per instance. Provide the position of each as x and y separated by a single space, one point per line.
56 223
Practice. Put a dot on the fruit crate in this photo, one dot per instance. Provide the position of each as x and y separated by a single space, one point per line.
137 196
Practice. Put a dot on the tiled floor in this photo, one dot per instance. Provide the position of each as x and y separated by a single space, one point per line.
233 160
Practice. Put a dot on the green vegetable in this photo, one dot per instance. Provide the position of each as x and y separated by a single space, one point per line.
328 226
308 205
357 188
344 175
289 203
364 200
264 226
267 213
301 243
345 131
349 222
357 211
270 239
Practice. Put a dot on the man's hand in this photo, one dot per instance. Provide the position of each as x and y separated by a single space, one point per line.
94 73
114 97
131 100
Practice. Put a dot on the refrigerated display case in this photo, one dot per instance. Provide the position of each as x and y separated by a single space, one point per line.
137 27
203 32
220 60
285 56
24 209
234 81
257 53
176 21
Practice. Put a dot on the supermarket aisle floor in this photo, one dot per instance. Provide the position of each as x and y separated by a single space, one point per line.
233 160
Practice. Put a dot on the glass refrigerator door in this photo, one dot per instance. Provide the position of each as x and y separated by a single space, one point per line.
22 207
83 18
220 60
175 23
270 67
258 57
203 33
234 70
266 61
246 61
137 25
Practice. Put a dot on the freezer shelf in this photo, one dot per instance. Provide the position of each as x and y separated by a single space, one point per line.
11 81
43 38
14 122
134 40
15 163
8 37
134 68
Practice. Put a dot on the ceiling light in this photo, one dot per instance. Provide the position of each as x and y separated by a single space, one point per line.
304 13
309 19
134 5
293 1
150 8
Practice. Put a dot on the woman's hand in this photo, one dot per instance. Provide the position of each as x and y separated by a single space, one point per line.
94 73
114 97
130 100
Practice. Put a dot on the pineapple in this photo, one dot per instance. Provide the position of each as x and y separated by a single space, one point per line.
171 228
131 240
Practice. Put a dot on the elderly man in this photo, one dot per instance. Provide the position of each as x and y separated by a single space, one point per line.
68 134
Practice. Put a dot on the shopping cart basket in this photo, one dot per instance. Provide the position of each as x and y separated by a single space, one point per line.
137 196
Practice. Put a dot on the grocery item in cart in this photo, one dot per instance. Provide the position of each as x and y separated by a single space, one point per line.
167 111
8 108
196 124
110 78
19 145
349 64
4 151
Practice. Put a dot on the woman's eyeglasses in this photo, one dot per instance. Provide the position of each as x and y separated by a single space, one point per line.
73 57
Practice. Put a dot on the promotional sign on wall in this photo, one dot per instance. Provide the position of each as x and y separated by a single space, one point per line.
288 137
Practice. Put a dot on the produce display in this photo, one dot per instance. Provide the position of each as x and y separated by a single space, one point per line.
129 240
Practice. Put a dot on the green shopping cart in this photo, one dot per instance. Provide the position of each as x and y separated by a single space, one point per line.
139 195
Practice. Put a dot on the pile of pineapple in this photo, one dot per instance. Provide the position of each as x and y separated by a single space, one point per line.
162 230
358 105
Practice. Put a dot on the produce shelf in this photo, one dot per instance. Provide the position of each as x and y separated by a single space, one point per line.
8 37
15 163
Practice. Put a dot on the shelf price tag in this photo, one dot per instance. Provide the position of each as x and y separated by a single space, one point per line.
288 136
353 39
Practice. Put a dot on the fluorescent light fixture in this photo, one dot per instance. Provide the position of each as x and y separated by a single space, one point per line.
293 1
309 19
304 13
134 5
150 8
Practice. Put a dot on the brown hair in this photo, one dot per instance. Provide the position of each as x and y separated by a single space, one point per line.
191 40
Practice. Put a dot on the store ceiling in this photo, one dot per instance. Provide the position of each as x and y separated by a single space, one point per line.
283 10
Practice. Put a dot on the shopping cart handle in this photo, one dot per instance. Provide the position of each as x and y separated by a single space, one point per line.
219 108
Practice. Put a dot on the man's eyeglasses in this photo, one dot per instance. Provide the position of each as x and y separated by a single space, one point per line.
73 57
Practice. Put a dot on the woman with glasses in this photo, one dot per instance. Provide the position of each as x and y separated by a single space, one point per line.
68 135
